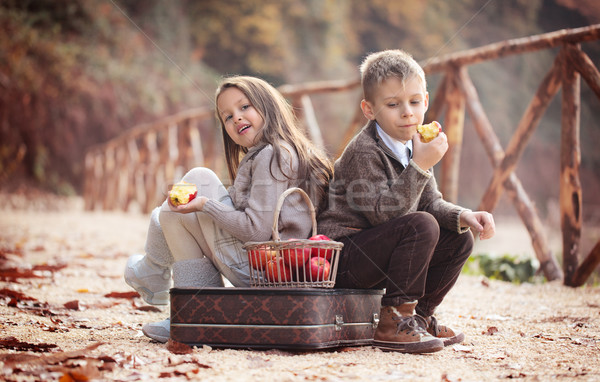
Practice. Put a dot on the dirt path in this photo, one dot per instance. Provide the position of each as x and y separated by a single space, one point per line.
64 322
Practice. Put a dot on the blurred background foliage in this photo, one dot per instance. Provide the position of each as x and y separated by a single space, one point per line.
76 73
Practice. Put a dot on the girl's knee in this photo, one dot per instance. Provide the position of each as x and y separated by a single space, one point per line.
200 175
207 182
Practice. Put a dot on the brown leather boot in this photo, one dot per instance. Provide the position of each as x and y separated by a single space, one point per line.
442 332
398 330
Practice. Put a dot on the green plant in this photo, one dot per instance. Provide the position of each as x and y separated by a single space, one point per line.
506 267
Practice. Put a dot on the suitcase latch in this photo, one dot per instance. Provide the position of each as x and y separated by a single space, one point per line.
339 322
375 320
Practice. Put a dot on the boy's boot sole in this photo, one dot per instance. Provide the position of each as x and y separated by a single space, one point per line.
428 346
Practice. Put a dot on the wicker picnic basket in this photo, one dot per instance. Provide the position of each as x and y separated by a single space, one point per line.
297 263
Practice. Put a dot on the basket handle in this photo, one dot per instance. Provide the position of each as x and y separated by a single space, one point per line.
280 201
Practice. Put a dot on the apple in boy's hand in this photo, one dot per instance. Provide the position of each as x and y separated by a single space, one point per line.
317 269
429 131
321 252
295 256
277 271
259 258
182 193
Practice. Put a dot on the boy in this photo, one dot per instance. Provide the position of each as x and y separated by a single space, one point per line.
398 232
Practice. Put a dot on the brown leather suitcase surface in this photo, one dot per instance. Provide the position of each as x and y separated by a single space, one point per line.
284 318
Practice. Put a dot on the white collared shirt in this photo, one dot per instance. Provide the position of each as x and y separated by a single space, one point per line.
397 147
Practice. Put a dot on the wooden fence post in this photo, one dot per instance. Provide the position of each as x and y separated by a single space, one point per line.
513 186
570 159
454 128
529 122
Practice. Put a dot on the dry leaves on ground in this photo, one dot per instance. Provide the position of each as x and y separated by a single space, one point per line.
69 316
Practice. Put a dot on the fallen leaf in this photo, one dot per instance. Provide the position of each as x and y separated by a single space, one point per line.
148 308
12 274
178 347
12 343
129 295
72 305
49 268
13 294
543 337
490 331
62 356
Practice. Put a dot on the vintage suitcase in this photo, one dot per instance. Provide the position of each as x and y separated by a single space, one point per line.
283 318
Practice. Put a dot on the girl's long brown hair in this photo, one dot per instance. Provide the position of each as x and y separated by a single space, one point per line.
280 125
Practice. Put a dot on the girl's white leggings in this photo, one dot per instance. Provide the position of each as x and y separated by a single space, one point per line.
196 235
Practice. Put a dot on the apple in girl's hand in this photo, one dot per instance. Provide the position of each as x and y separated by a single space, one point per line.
277 271
182 193
321 252
259 258
317 269
295 255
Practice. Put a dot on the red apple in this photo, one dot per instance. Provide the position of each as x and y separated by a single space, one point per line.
296 255
277 271
259 258
321 252
317 269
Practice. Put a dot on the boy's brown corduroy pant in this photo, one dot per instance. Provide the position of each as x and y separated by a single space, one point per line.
410 256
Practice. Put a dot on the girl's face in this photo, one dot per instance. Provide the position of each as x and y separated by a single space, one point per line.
242 121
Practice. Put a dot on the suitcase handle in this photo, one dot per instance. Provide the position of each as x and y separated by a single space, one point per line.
280 201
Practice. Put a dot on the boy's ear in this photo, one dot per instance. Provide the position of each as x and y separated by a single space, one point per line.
367 109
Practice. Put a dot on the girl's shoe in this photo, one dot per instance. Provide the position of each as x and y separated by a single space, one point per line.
151 281
158 331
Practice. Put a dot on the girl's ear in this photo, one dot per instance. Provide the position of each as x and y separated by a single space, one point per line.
367 109
426 100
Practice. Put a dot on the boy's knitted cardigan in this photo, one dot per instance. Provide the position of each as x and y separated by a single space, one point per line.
370 187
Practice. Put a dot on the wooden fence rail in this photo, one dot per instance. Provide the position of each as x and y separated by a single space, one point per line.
138 165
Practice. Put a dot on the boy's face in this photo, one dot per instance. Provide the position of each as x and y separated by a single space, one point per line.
398 107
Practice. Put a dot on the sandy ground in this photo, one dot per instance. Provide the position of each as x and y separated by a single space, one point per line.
70 329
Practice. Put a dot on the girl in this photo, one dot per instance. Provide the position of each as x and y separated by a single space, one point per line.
266 153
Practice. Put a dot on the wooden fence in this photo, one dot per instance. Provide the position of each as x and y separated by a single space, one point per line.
138 165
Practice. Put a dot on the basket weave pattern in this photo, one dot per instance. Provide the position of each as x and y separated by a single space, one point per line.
279 263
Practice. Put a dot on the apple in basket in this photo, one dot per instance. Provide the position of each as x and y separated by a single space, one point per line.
321 252
317 269
259 258
277 271
295 255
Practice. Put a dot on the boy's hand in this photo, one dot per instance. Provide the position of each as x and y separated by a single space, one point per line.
194 205
479 221
427 155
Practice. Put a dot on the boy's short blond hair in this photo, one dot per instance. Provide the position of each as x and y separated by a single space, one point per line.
377 67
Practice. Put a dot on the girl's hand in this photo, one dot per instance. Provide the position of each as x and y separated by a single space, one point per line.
479 221
427 155
195 205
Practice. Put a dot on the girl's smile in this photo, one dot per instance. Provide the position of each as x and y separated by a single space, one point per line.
242 121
